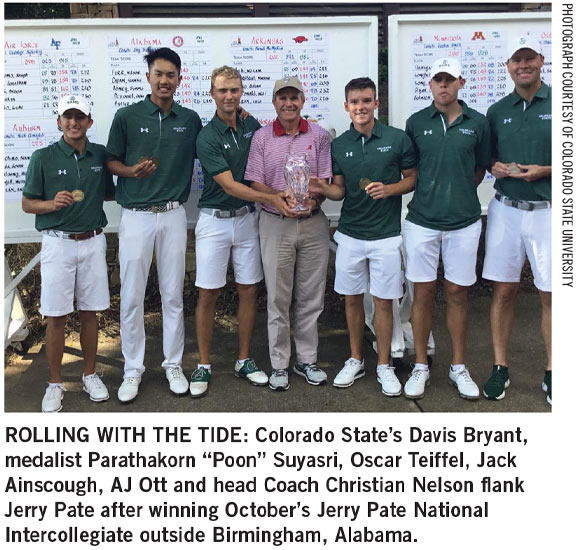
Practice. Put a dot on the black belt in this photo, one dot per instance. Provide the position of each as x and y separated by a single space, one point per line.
312 213
522 205
232 213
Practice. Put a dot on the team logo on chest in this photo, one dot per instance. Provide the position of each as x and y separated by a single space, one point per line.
507 120
348 153
226 145
384 148
142 130
427 132
62 172
467 132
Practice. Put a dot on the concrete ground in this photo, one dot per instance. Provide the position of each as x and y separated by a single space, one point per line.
25 379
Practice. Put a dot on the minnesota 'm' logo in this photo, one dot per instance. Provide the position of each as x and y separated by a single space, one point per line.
478 35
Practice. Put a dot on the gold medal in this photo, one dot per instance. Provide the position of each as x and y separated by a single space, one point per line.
78 195
155 160
364 183
513 168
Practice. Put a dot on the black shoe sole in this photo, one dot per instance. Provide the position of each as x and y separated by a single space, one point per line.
242 376
417 396
128 401
95 400
414 396
357 377
299 373
388 394
468 397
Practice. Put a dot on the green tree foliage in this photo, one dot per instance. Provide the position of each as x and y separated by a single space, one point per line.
36 11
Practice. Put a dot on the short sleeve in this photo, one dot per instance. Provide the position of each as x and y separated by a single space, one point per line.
408 153
211 156
484 148
34 182
336 170
197 129
255 170
493 139
116 143
410 131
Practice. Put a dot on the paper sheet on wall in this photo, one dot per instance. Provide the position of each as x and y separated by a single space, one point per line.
482 55
37 73
264 57
20 140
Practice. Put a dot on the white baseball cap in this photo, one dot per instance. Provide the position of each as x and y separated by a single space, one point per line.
522 42
74 102
447 65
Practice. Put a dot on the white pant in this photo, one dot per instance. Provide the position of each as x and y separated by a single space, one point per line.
459 251
217 239
363 266
73 268
512 235
140 234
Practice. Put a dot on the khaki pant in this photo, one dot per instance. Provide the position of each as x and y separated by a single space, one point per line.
295 262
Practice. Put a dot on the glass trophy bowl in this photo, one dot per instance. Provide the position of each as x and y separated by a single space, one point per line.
297 177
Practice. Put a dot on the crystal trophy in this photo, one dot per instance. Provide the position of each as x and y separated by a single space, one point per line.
297 177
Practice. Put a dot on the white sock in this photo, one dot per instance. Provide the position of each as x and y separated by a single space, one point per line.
457 368
242 361
421 366
207 367
361 361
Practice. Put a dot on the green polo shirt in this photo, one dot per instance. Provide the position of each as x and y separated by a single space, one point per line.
446 195
59 167
382 157
221 148
521 133
143 130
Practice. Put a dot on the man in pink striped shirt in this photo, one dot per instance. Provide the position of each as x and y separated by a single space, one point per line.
294 250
